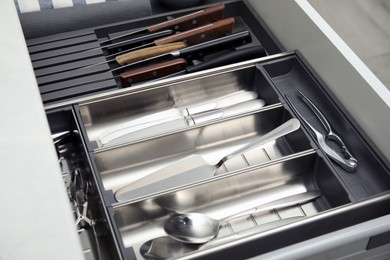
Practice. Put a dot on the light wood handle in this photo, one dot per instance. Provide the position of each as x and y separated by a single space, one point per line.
145 53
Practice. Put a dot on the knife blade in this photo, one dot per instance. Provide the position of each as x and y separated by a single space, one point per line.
196 35
191 37
133 76
191 52
182 23
137 55
194 168
174 113
136 40
152 128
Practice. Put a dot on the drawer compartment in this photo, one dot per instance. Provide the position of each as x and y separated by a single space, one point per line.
190 97
120 166
141 223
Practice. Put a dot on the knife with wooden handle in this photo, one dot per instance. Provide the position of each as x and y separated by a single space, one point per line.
142 54
192 37
158 70
182 23
200 34
153 71
148 55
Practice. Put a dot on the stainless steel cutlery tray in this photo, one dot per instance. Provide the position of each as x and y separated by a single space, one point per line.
292 164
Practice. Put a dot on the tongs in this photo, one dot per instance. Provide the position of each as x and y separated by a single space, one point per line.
79 192
346 160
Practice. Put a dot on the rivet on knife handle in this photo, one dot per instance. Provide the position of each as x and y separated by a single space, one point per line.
142 54
187 22
201 34
182 23
153 71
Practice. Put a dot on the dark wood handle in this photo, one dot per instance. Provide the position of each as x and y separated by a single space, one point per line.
190 21
153 71
201 34
145 53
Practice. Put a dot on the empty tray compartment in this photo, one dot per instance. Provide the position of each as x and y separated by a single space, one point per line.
120 166
141 223
131 115
93 227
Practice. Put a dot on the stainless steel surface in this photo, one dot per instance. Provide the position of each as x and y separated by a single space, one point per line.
347 164
194 168
331 135
144 121
143 220
110 112
198 228
122 165
167 248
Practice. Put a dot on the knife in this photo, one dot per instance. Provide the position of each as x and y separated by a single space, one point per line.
143 38
176 113
191 37
192 52
194 168
196 35
164 126
153 71
182 23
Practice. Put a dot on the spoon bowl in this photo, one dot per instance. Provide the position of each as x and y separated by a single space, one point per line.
198 228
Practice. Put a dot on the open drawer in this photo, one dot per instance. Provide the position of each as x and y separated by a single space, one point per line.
292 165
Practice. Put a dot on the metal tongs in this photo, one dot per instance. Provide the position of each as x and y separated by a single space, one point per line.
346 161
79 192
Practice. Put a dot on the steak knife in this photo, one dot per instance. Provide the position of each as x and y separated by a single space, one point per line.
155 54
182 23
159 70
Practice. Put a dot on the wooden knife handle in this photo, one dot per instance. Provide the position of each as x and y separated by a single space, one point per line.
153 71
145 53
201 34
190 21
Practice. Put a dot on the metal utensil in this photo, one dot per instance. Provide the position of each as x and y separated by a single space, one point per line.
156 71
181 23
194 168
347 161
199 228
167 247
152 119
146 56
196 35
164 126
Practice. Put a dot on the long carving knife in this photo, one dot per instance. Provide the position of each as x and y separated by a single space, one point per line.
156 54
158 70
182 23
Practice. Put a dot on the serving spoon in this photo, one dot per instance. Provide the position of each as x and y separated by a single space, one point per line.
198 228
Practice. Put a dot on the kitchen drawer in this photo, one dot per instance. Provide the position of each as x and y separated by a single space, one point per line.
290 165
111 135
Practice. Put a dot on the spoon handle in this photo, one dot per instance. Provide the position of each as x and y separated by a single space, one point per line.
280 203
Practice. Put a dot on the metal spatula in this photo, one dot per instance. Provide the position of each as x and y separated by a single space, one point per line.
194 168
